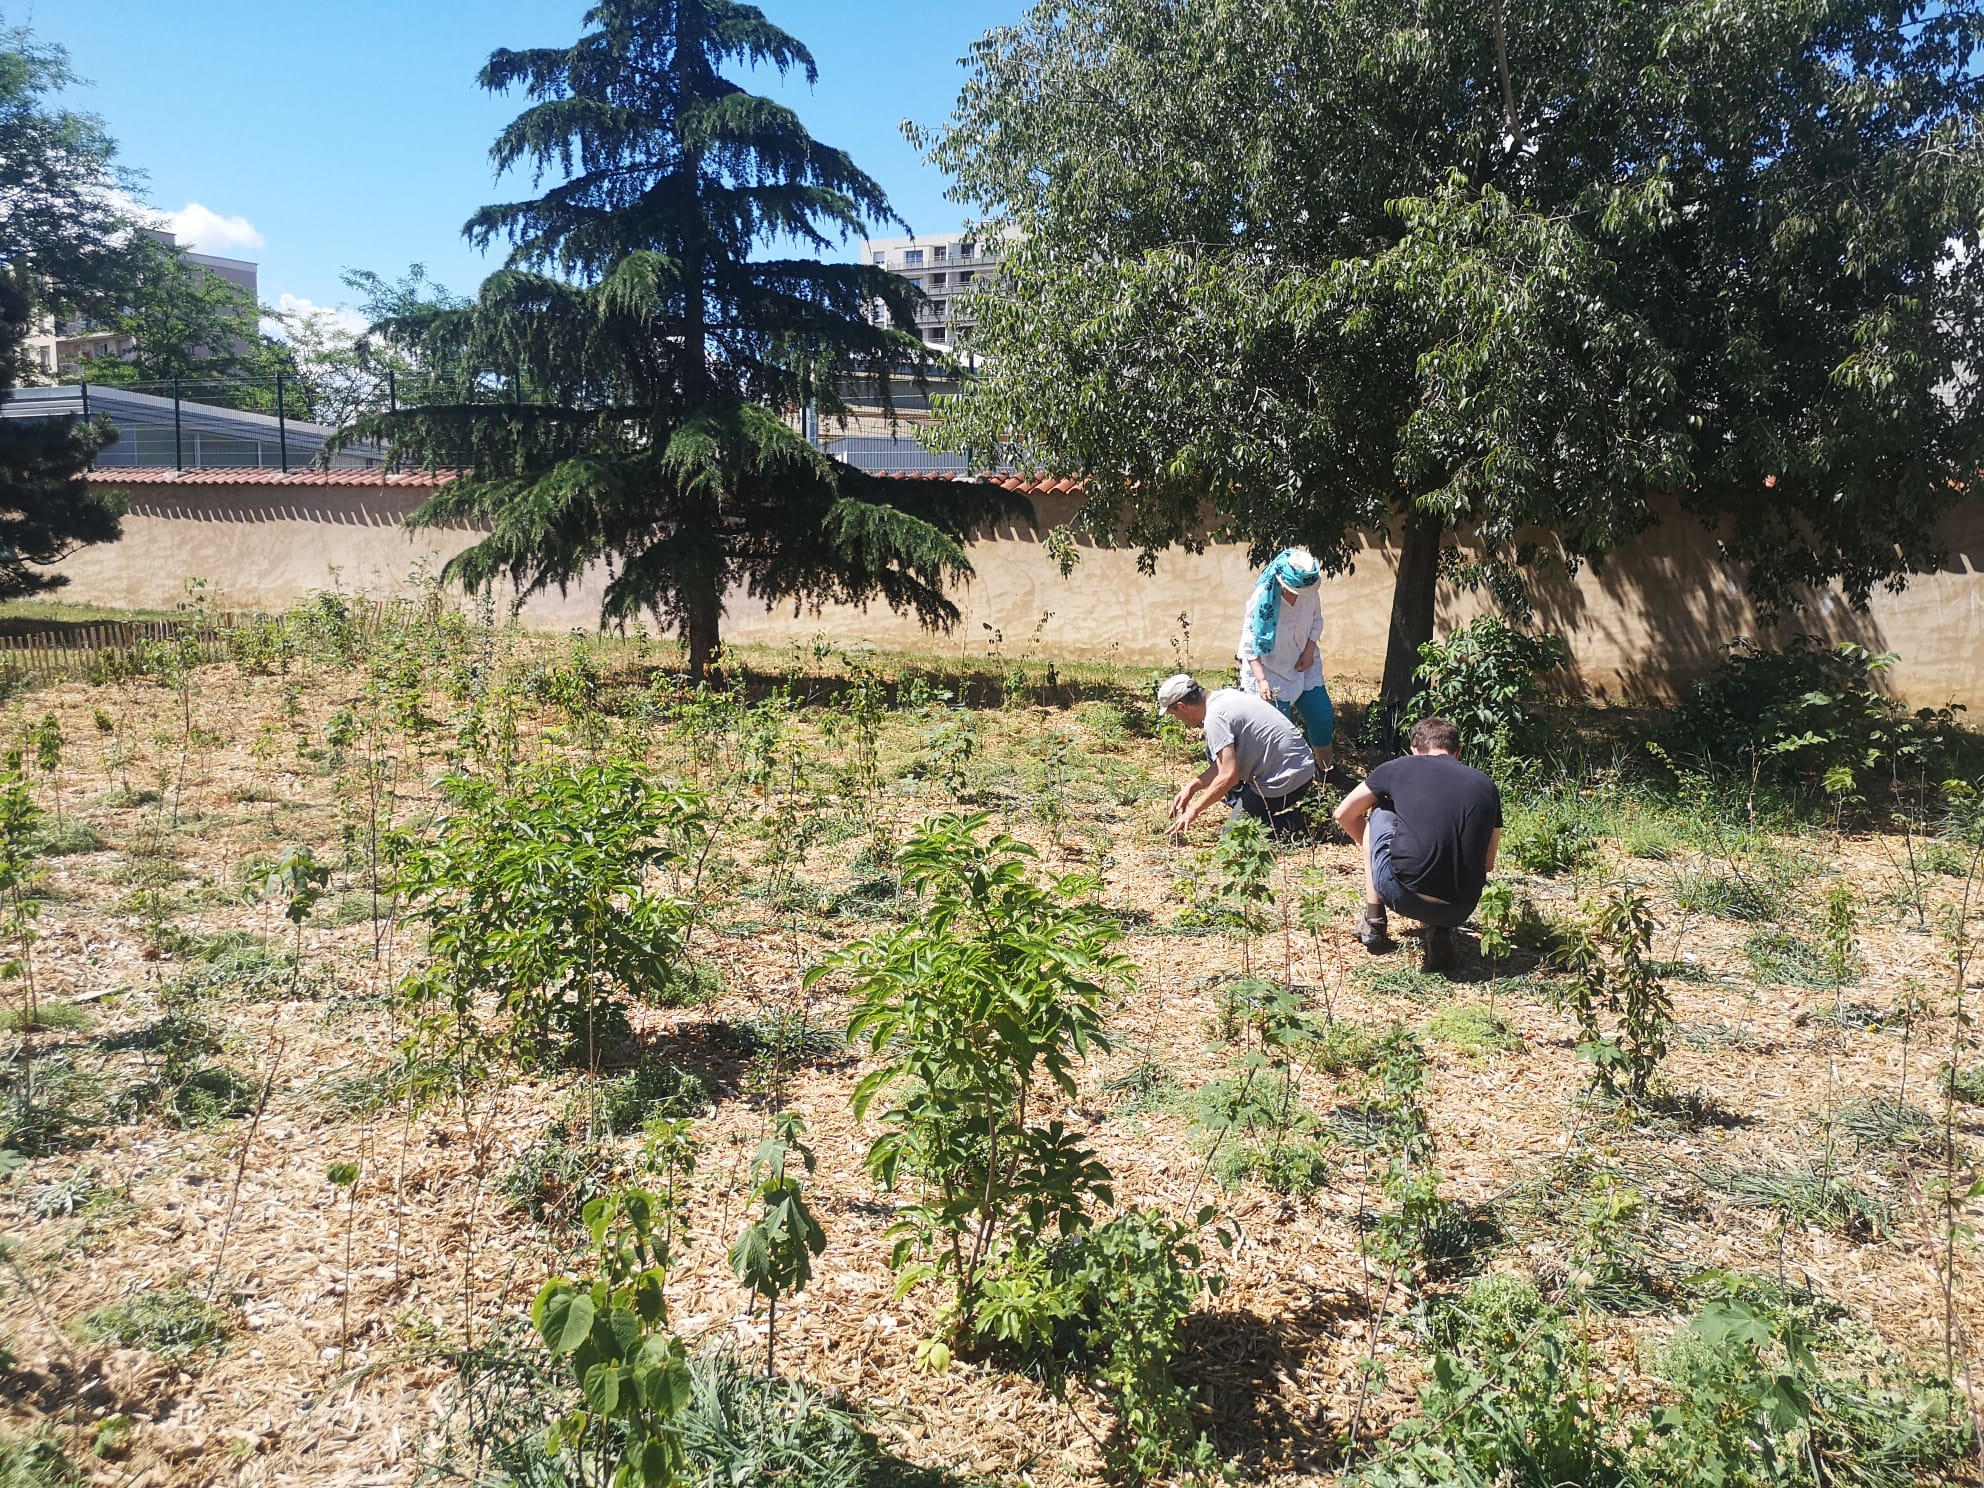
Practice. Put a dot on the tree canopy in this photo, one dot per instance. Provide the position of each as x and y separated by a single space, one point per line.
616 392
56 231
1513 272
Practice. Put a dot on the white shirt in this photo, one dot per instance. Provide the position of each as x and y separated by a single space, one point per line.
1300 624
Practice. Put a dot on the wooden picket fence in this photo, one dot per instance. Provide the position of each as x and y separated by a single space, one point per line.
76 650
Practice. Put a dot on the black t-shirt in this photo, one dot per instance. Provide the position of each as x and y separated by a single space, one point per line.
1446 813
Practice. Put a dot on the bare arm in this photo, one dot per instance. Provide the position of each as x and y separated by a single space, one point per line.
1353 813
1494 848
1219 778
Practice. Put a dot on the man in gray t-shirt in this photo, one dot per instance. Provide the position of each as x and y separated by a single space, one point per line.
1260 764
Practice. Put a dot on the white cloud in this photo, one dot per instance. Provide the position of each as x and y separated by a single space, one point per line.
205 231
300 307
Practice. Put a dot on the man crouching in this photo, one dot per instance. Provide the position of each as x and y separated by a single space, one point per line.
1430 828
1258 762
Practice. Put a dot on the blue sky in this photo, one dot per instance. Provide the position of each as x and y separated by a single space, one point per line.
311 136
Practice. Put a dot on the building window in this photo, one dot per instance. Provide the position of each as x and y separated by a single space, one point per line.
917 280
965 249
965 277
937 254
936 280
881 259
934 333
939 307
913 256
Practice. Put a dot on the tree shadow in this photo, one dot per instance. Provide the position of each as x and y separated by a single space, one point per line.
1243 1366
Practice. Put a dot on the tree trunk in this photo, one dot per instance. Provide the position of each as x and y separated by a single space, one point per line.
702 614
1412 624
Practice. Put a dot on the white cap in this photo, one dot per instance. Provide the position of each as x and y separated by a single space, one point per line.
1174 690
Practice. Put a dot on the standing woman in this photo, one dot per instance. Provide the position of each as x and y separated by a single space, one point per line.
1279 651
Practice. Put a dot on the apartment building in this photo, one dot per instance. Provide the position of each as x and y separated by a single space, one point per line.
55 349
945 267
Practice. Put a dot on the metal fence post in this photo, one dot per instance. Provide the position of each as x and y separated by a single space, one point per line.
282 428
178 447
86 397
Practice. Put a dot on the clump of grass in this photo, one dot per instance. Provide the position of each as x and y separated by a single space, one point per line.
1804 1195
1650 842
212 1094
1340 1047
66 839
560 1175
624 1103
1779 956
1146 1086
1889 1125
1473 1029
1966 1085
1406 981
1727 896
170 1321
45 1104
1707 1037
53 1017
36 1462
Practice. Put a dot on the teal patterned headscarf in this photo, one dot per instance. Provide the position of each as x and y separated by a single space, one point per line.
1291 568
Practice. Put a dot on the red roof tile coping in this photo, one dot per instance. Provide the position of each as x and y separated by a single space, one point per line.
249 475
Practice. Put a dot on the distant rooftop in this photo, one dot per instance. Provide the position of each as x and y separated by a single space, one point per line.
206 435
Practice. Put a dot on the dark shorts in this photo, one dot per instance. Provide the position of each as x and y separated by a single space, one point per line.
1276 813
1384 878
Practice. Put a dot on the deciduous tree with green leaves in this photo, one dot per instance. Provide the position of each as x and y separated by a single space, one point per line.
1505 272
57 223
624 382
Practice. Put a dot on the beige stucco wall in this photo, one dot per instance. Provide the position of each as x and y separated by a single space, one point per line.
1643 623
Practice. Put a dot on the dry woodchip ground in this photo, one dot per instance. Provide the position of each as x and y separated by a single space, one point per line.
436 1252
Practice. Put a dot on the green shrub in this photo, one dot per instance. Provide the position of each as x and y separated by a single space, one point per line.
170 1321
1110 1302
997 992
1810 715
1485 676
1759 1397
1257 1128
541 914
1473 1029
1549 835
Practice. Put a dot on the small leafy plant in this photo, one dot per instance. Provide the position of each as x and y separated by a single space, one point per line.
543 913
998 990
774 1253
1611 969
611 1332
